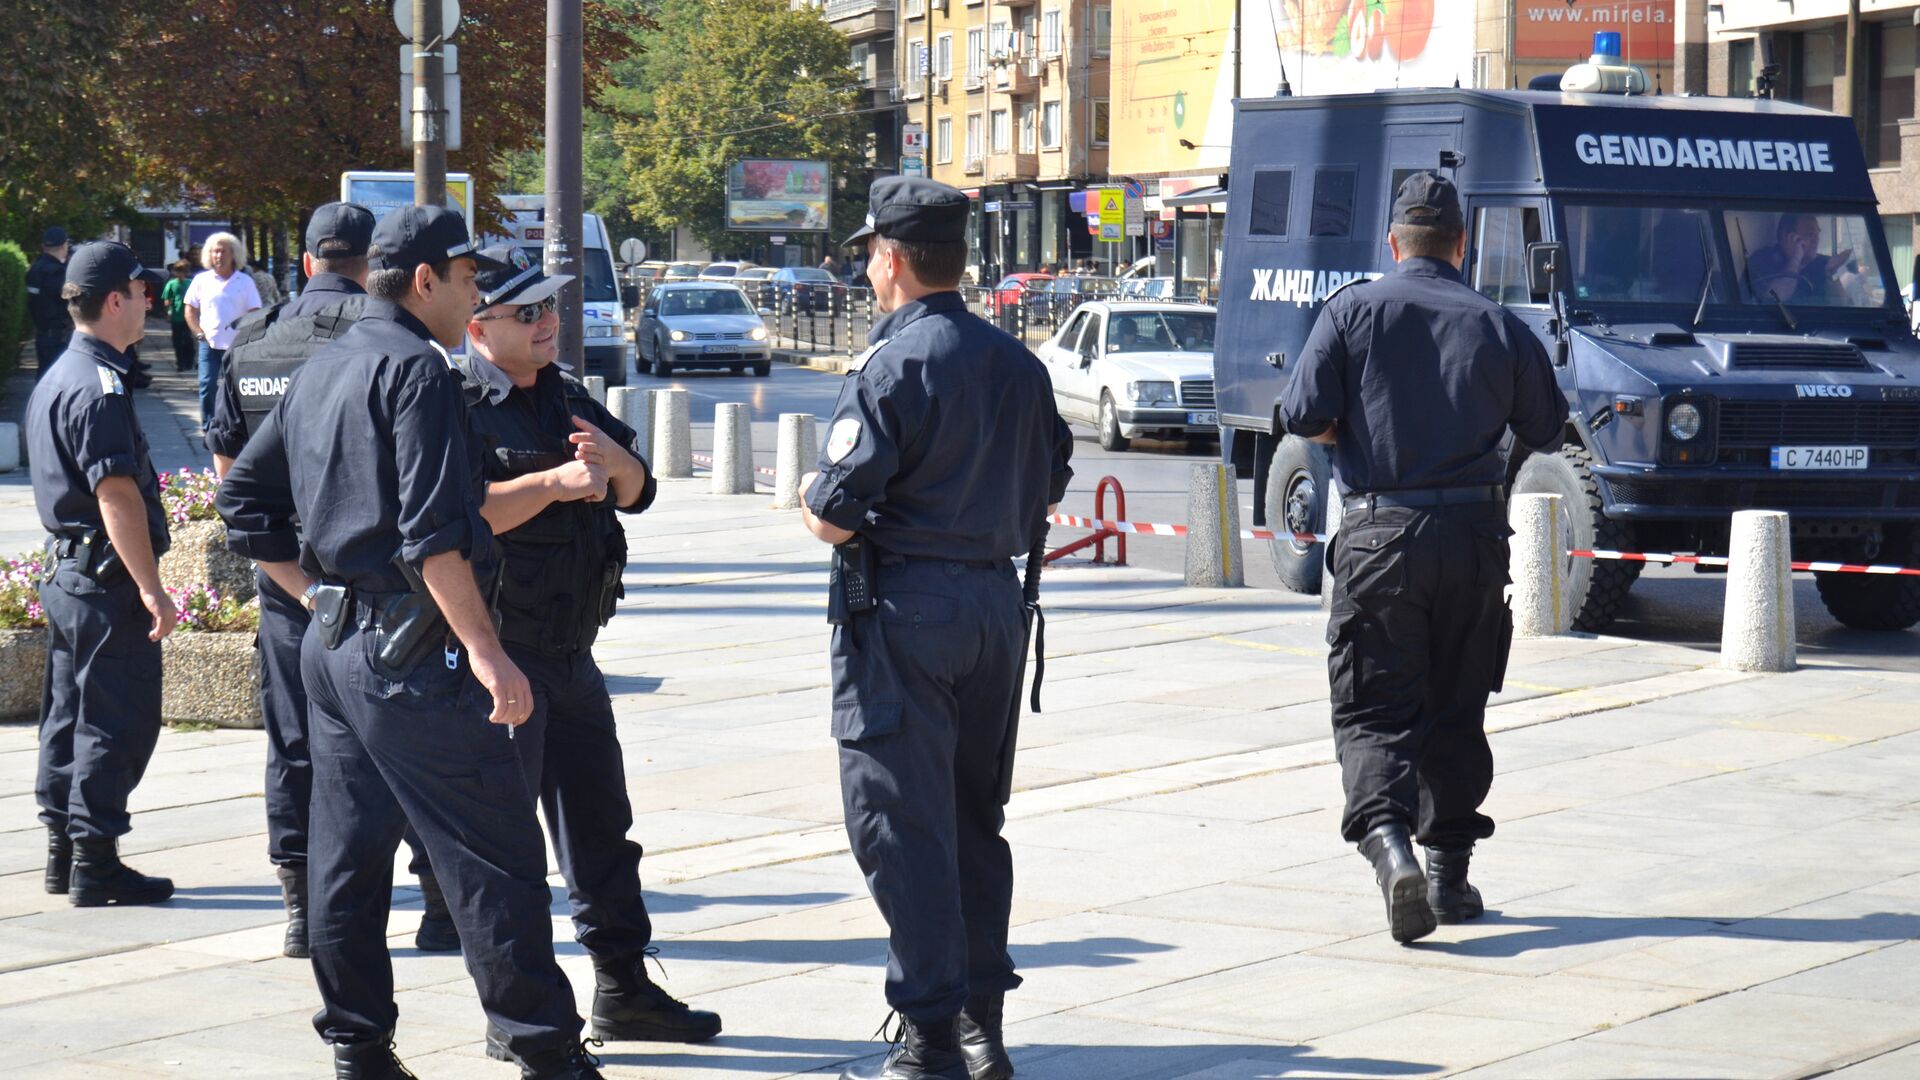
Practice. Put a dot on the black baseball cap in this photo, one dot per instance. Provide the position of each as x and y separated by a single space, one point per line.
1427 198
339 230
913 208
104 265
422 235
53 237
521 282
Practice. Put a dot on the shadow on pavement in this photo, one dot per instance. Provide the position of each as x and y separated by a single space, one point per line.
1535 932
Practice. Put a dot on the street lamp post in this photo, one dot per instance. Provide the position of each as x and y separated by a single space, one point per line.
564 209
429 106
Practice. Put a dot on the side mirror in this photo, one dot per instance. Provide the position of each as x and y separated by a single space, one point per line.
630 296
1547 268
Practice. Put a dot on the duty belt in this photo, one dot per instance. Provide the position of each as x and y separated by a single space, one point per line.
888 558
1422 498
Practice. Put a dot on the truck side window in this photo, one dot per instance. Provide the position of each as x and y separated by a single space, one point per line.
1332 203
1500 238
1272 202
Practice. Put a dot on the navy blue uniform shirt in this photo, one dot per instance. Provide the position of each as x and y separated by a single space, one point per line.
537 420
45 278
81 429
946 444
1420 376
227 429
378 466
323 290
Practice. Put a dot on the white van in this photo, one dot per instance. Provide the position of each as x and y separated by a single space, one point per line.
605 319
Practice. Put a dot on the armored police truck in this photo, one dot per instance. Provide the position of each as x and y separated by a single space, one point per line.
1708 275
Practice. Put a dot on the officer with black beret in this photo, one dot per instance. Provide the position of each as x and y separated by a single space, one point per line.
1415 379
943 460
52 325
408 688
97 493
269 347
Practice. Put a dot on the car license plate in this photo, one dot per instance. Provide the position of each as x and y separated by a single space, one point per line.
721 348
1196 419
1820 457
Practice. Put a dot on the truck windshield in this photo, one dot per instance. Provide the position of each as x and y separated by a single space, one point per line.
597 283
1806 258
1651 254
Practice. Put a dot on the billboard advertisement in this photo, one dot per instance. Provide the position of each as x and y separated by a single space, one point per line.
385 192
1170 84
1563 29
765 195
1353 46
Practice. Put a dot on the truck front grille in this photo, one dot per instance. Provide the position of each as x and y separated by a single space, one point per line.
1799 355
1712 495
1878 424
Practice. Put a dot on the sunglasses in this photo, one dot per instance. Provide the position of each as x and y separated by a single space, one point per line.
527 313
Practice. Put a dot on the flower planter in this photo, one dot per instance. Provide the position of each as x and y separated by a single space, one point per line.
211 678
199 556
23 665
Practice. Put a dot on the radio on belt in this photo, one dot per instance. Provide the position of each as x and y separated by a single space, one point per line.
1714 265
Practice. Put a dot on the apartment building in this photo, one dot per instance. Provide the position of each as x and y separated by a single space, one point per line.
869 26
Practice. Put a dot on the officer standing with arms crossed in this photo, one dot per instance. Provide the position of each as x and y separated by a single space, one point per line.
406 681
942 463
268 350
1414 379
95 488
52 325
558 465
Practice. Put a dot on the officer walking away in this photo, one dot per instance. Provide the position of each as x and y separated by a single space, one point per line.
52 325
1414 380
266 351
558 466
942 461
411 701
95 488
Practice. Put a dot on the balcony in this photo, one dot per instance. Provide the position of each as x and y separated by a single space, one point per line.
975 166
860 18
975 81
1020 74
1005 167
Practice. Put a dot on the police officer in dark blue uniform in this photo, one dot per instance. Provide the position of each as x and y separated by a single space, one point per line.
941 464
272 344
558 466
97 493
52 325
1415 379
411 700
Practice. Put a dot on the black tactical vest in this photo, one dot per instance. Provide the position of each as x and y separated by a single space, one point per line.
268 349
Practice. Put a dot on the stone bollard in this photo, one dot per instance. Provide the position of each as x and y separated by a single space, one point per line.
1213 529
732 449
632 407
672 435
1336 509
9 447
1756 630
596 388
1537 565
798 449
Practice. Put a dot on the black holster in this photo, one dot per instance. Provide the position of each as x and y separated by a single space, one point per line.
93 556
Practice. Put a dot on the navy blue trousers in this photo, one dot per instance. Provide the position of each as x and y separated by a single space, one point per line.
283 705
921 690
421 750
99 704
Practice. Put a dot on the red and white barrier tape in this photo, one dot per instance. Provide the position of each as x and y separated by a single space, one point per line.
1143 528
702 459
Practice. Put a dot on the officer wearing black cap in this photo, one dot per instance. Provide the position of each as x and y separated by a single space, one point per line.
270 346
52 326
941 464
407 685
1415 379
95 488
558 466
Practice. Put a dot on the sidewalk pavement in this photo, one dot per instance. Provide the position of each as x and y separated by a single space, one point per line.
1698 873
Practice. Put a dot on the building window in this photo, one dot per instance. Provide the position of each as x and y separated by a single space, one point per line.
1001 40
916 67
943 57
1029 128
1890 79
1099 121
1002 132
1899 229
1815 64
1029 36
943 140
1050 33
1740 68
1050 125
976 57
916 8
1102 30
973 137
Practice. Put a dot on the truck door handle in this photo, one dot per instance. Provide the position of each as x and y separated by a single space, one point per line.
1277 359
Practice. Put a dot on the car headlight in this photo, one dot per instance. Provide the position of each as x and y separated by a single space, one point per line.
1683 421
1151 393
759 333
677 335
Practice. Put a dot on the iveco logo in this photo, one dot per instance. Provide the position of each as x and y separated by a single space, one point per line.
1822 390
258 386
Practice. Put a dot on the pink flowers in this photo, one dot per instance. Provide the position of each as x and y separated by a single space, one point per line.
20 593
203 610
188 495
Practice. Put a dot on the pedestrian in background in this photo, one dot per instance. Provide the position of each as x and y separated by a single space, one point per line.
216 299
52 325
174 295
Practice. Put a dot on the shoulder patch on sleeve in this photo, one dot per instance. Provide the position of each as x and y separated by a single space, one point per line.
110 381
842 439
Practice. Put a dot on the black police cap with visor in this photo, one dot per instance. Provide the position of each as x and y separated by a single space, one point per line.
912 208
106 266
340 230
519 281
1427 198
425 235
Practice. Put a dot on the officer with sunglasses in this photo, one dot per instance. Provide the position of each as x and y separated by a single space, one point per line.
558 466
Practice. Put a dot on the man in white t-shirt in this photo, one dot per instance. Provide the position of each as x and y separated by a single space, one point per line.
216 299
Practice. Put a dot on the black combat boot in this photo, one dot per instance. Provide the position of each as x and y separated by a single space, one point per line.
628 1006
573 1063
368 1061
977 1030
100 878
1401 882
59 861
1448 894
293 890
919 1053
437 932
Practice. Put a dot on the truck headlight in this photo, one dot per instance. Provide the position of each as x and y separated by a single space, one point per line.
677 335
1151 393
759 333
602 332
1683 421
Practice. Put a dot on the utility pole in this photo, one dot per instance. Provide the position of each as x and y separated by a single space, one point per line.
429 105
564 209
1850 84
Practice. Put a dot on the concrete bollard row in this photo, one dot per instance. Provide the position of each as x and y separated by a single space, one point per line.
596 388
1536 562
797 450
1756 629
9 447
672 435
1213 529
732 449
632 407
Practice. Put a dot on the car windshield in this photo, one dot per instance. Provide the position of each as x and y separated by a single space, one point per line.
1646 253
720 270
1805 258
704 302
1160 331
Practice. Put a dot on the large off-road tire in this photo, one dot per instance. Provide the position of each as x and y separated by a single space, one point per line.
1298 486
1593 589
1874 601
1110 437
